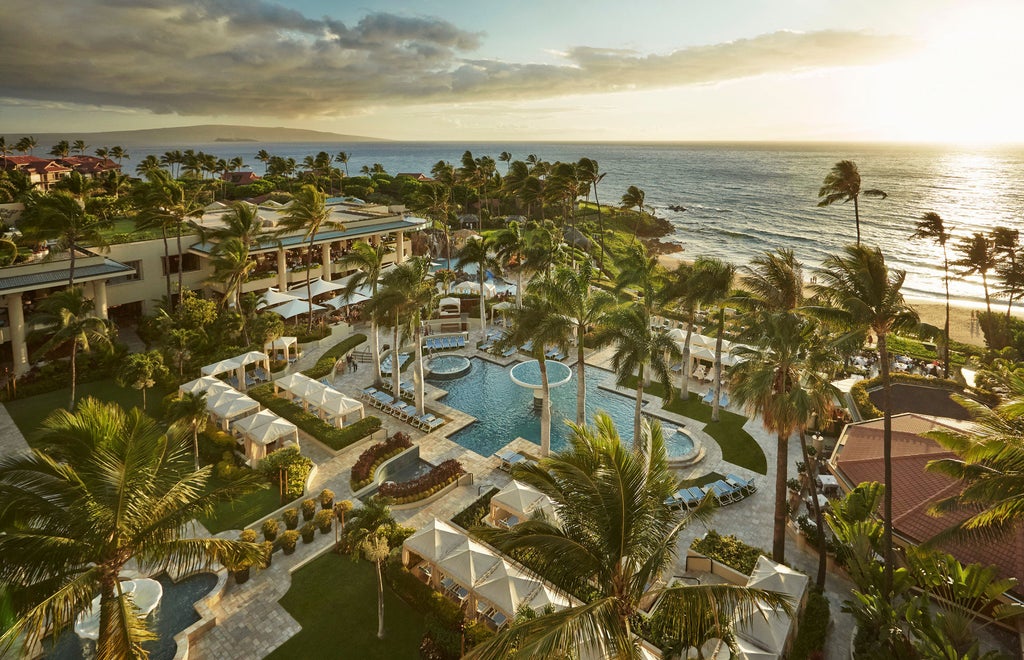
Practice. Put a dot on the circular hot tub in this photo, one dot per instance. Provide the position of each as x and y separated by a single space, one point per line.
447 367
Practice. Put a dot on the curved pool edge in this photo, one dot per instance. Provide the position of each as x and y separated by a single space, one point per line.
204 608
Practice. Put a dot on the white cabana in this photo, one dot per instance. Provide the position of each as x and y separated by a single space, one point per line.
231 405
294 307
207 384
515 503
268 438
677 334
298 385
283 345
506 588
274 297
246 424
341 301
546 596
318 287
450 307
432 541
335 407
469 563
223 366
771 629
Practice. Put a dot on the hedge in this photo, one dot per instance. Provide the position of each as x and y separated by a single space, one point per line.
368 462
473 515
868 410
298 467
810 638
325 364
331 436
728 550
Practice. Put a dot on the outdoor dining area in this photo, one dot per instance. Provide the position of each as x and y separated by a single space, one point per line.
517 502
476 576
323 400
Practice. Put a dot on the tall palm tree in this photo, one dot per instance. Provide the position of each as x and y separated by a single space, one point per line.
635 197
231 268
241 222
780 379
167 204
147 164
714 278
1005 246
505 157
369 262
681 290
590 173
612 537
188 409
932 226
584 308
101 488
861 292
27 145
61 149
60 216
65 318
369 529
978 257
842 184
510 246
119 153
477 251
308 214
79 147
638 347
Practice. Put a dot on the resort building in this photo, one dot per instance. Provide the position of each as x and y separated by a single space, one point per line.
44 172
128 279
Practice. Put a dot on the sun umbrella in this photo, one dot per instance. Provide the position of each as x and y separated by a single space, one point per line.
294 308
274 297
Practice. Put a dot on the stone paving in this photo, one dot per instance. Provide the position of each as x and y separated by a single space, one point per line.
11 439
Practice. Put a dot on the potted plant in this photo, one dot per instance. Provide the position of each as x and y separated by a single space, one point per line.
308 532
308 509
270 529
326 498
239 568
268 553
324 520
291 518
289 539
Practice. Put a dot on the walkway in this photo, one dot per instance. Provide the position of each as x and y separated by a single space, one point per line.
11 439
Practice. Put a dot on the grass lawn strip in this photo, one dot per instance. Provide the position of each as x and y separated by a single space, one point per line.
243 510
334 599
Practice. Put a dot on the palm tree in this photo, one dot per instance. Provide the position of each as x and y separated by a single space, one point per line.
682 290
342 158
505 157
65 318
79 147
510 247
477 251
167 204
369 529
173 159
635 197
978 257
638 347
188 409
583 308
308 214
26 145
590 173
119 153
369 262
932 226
842 184
780 379
613 537
231 268
1005 245
141 371
714 283
60 216
862 293
61 149
103 487
147 164
241 222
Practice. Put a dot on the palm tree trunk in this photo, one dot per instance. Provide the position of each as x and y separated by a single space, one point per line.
483 304
816 510
779 528
375 347
195 443
418 374
600 229
519 283
581 379
945 350
74 373
396 367
984 282
380 602
856 217
883 357
684 387
309 286
181 265
167 267
638 411
71 268
545 406
716 404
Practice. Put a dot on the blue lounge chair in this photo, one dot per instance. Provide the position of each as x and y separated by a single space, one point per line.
744 485
528 346
435 423
508 352
696 494
724 493
462 341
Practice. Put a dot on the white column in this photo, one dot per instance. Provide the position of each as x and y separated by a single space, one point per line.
99 298
282 270
16 317
325 259
399 247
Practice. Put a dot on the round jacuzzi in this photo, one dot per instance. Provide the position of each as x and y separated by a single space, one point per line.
444 367
681 448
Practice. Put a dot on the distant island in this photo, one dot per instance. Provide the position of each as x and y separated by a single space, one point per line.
194 135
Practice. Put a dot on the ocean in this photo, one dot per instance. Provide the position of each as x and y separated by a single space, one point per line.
743 199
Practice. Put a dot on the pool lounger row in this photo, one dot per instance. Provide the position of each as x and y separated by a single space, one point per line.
444 343
732 489
400 409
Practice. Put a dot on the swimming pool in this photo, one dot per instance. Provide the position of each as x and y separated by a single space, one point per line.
504 410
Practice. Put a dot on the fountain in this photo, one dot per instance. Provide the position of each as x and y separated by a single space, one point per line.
527 374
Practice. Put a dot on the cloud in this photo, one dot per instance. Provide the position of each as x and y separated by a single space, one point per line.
257 58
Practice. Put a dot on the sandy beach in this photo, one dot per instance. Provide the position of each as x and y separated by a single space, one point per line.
962 326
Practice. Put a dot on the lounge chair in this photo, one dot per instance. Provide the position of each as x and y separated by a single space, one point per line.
462 342
435 423
499 620
509 459
724 493
696 494
486 346
528 346
508 352
744 485
675 500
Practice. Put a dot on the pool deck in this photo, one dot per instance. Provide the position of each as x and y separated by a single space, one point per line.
251 623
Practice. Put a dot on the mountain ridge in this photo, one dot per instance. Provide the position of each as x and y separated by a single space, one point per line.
194 135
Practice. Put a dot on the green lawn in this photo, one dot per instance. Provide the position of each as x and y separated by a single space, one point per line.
242 511
30 412
738 446
335 601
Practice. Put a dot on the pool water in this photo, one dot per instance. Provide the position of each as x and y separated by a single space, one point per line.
505 410
175 613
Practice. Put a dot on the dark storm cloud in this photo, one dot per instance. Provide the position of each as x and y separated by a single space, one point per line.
214 57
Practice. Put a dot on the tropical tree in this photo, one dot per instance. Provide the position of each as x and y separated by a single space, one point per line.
308 214
635 197
978 256
860 292
189 410
714 283
101 488
141 371
79 147
65 319
231 268
60 216
780 380
167 204
932 226
590 173
61 149
842 184
477 251
26 145
584 308
638 347
681 290
613 537
368 260
369 530
510 247
1005 246
119 153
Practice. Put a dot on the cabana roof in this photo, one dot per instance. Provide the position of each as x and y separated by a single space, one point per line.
274 297
280 344
470 562
520 498
434 540
294 307
318 287
221 367
207 384
252 356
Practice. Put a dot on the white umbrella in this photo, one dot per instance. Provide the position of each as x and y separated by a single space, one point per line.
207 384
220 367
469 563
274 297
246 424
294 308
318 287
466 288
677 334
338 302
274 431
506 587
519 498
251 357
434 540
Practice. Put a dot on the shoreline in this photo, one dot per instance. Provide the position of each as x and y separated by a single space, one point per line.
963 327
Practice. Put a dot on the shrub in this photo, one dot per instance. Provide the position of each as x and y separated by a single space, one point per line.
473 515
369 460
810 638
421 597
270 529
288 541
291 518
226 470
325 365
324 520
308 532
287 461
268 553
326 499
425 485
308 509
728 550
248 536
341 508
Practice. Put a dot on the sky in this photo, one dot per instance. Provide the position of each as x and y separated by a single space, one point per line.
644 70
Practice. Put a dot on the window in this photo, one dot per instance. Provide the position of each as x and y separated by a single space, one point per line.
190 262
137 265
